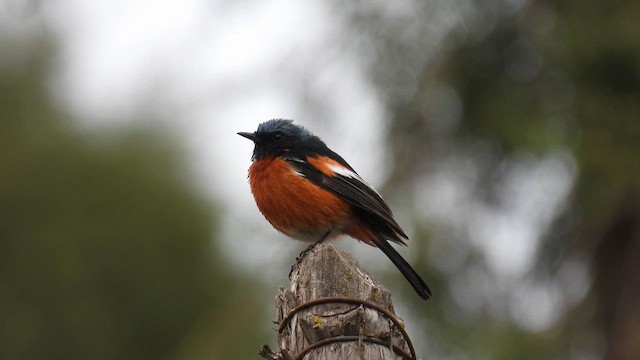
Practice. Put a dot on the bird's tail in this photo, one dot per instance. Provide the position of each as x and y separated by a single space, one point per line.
414 279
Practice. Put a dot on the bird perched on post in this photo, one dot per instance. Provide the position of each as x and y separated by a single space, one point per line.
310 193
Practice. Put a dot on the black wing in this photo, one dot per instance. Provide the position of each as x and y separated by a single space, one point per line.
350 186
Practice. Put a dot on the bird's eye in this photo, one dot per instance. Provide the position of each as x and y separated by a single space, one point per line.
277 137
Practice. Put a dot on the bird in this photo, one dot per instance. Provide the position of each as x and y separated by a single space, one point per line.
310 193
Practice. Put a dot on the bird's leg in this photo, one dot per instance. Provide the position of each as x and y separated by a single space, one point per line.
322 238
319 241
310 247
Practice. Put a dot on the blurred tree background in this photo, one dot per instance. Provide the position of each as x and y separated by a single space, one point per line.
105 248
526 122
520 93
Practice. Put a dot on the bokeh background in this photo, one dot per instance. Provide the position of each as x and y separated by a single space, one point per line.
505 134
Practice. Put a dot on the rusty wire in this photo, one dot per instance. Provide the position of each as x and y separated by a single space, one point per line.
344 338
353 301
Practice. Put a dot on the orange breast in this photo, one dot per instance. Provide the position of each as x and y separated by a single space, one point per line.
292 204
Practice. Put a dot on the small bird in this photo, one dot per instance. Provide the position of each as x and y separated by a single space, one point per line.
310 193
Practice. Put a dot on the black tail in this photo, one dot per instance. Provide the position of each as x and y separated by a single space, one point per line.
414 279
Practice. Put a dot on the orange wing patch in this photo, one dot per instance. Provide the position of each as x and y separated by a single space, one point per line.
324 164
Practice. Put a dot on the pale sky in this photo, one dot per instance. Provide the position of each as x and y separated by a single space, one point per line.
212 68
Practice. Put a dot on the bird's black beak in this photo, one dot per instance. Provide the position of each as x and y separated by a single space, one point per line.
248 135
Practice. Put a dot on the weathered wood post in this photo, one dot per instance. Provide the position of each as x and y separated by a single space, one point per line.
335 310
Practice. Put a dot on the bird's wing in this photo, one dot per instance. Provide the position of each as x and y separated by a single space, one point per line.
334 174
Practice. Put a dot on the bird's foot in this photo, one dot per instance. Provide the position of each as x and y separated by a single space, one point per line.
309 248
301 256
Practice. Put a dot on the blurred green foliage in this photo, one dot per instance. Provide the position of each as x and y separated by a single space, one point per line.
512 81
106 251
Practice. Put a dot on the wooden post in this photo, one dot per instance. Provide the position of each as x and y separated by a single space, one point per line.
343 314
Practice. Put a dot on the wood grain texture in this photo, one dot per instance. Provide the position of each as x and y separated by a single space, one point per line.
324 272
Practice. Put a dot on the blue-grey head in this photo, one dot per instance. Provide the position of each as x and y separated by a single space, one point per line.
280 137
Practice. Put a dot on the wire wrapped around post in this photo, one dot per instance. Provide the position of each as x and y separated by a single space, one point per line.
343 338
334 309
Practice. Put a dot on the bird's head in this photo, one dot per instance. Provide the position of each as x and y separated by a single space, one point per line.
278 137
